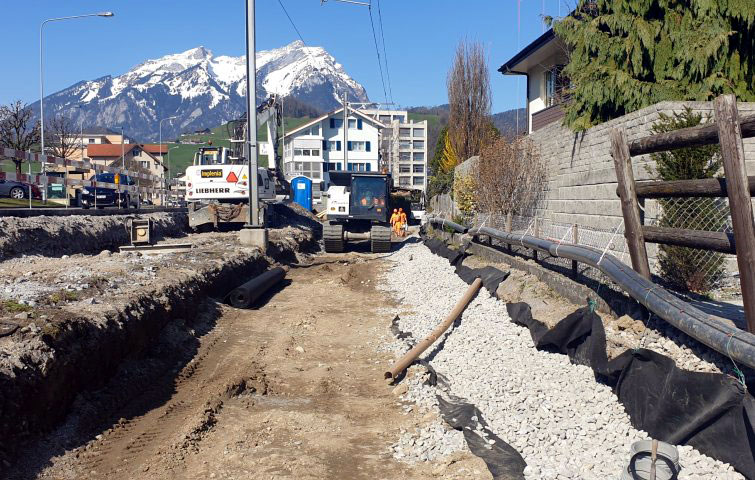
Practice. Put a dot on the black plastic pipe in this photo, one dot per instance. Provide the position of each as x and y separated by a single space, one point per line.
707 329
246 294
448 223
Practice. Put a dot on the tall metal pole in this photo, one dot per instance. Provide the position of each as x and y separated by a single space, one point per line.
251 116
123 164
345 133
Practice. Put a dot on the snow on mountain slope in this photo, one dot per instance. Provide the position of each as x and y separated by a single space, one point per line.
203 90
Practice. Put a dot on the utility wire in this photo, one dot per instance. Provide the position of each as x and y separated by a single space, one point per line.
377 51
385 54
292 22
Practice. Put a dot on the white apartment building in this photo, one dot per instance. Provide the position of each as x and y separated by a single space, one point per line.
403 147
318 146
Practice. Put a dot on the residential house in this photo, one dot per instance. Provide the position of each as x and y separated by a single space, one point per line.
403 147
133 156
542 62
319 146
95 136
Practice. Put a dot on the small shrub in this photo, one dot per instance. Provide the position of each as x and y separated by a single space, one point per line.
12 306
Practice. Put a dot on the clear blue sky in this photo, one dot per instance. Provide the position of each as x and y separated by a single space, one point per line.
420 38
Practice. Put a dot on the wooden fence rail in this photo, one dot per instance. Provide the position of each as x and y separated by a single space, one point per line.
728 130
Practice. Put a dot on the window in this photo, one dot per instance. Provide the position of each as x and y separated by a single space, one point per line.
352 123
358 146
331 166
315 130
419 144
91 140
334 145
405 156
404 144
315 152
405 132
419 156
136 152
404 181
418 168
145 164
419 132
306 152
404 168
386 119
297 152
336 123
418 180
556 84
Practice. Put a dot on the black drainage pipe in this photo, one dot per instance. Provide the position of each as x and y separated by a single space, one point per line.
448 223
707 329
246 294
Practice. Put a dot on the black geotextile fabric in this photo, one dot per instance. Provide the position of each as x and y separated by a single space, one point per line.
491 276
502 460
439 247
712 412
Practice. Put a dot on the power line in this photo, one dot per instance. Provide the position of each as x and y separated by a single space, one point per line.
292 22
377 51
385 54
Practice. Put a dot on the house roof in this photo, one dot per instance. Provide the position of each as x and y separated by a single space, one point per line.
513 66
330 114
109 149
155 148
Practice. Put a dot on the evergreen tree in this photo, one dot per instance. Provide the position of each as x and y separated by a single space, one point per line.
440 180
628 54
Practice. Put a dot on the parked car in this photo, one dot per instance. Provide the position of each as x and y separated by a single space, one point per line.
18 190
102 197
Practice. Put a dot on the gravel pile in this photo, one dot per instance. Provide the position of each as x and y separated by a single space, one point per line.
565 424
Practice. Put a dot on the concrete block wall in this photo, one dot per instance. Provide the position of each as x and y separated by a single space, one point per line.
581 175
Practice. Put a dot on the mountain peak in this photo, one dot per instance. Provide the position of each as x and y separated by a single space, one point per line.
204 90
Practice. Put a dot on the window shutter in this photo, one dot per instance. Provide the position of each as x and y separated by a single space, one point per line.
359 123
349 145
324 145
338 145
368 165
332 123
368 146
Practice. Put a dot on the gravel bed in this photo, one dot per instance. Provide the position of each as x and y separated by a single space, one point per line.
564 423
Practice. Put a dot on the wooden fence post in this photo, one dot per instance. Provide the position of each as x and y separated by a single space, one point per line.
732 152
629 206
507 229
575 241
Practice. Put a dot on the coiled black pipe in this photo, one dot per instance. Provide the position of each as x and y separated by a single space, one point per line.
707 329
246 294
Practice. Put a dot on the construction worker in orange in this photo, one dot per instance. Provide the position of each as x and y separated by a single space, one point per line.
403 225
394 220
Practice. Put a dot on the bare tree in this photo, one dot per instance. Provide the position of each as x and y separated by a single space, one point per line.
17 129
469 100
510 177
61 136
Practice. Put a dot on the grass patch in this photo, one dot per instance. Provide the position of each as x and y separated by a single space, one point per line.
13 203
12 306
63 295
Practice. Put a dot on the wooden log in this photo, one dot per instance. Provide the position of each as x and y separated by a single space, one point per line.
687 137
707 187
629 207
717 241
732 152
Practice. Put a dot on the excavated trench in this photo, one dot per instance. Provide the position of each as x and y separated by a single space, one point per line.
68 364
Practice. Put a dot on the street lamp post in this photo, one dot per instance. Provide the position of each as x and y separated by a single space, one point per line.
160 128
42 85
170 183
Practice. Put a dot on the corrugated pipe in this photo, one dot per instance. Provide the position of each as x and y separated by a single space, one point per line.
727 340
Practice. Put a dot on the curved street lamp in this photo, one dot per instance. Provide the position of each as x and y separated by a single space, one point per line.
42 80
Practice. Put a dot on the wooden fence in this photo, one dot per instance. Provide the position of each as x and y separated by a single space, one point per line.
728 130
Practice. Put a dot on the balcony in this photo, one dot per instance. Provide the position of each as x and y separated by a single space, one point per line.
547 116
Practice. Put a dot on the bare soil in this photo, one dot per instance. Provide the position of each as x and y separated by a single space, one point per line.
290 389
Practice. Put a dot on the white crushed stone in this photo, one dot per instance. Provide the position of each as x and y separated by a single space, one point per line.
564 423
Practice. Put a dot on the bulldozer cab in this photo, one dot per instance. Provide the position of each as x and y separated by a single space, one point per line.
369 197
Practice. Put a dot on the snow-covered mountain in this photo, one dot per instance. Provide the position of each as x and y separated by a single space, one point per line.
202 90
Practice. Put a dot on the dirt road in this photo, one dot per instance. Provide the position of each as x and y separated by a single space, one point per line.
292 389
